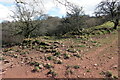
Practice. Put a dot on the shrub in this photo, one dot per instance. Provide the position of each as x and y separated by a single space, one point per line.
49 57
76 66
57 54
48 66
52 72
36 69
66 56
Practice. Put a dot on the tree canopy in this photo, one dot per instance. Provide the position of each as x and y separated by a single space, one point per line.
111 9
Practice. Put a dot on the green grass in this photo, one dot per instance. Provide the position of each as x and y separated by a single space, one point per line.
2 58
49 57
72 50
77 55
57 54
7 49
36 69
88 70
99 32
81 46
34 63
52 72
23 53
68 72
66 56
58 61
94 41
105 25
48 66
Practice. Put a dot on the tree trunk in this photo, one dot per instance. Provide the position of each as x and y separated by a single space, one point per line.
116 23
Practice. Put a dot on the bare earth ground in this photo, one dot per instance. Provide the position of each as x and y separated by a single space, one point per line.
93 62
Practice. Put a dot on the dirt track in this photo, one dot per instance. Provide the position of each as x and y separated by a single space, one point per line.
94 61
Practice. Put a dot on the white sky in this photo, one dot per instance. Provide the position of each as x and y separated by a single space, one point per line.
50 7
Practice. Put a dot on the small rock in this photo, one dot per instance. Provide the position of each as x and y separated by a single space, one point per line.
108 74
95 64
63 45
87 50
87 58
41 66
97 68
111 57
4 70
5 62
20 46
81 51
22 62
1 73
90 46
11 51
84 74
115 66
11 66
78 76
85 67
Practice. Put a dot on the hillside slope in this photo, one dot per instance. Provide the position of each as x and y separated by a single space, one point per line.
95 57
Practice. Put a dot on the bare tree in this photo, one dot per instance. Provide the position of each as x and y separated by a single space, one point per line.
25 15
111 9
74 14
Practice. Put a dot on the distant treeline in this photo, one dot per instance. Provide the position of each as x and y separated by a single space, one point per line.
50 26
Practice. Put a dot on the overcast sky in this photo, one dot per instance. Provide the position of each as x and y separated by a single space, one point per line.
50 8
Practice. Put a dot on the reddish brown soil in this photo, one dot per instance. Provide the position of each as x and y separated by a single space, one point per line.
93 61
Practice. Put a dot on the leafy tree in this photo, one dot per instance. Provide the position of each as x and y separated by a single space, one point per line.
110 9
